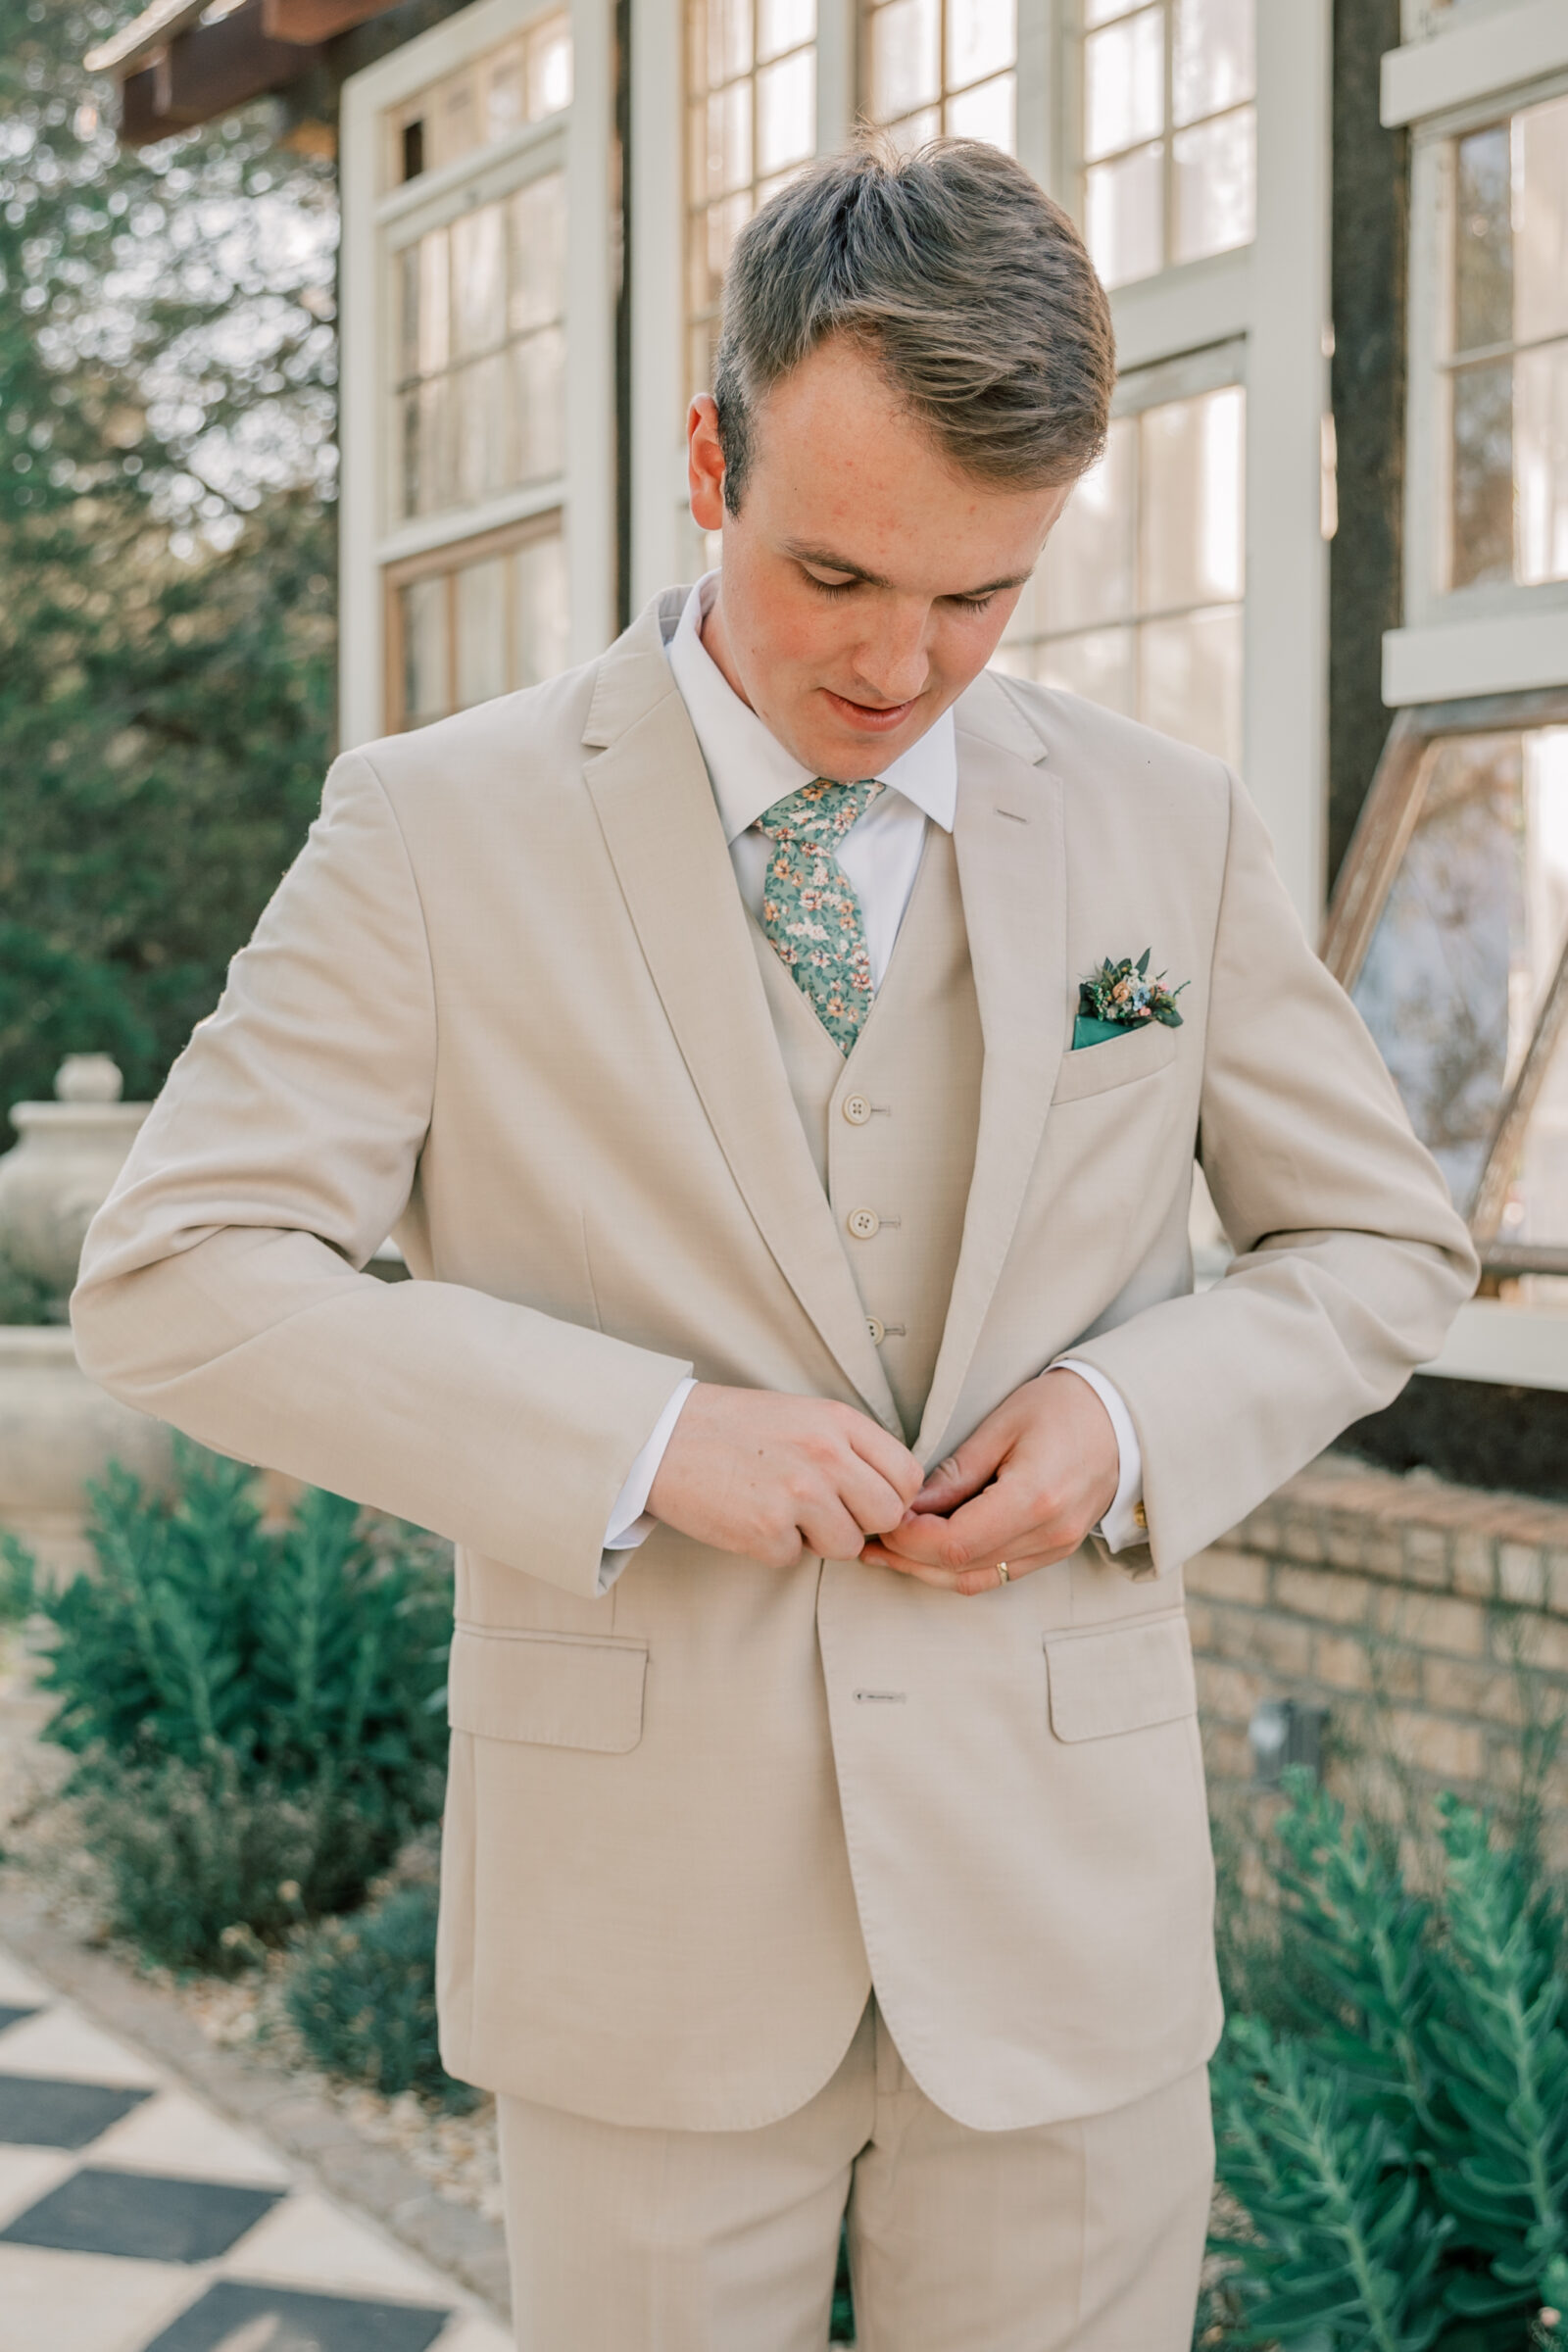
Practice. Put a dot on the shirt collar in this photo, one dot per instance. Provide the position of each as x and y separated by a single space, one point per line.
750 768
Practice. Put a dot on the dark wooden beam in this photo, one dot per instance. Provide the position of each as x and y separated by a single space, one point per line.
214 67
308 22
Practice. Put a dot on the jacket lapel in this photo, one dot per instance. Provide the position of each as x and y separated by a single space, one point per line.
657 811
1009 838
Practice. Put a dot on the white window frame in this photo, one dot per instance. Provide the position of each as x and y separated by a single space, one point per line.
1487 59
376 220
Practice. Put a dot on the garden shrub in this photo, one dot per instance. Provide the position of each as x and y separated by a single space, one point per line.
1402 2155
362 1994
257 1714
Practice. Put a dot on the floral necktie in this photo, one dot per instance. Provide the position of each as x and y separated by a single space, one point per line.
810 909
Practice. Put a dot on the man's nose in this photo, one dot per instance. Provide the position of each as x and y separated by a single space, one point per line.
895 666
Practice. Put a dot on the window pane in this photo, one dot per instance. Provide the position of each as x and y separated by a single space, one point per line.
1101 12
1483 474
1097 665
481 420
481 631
1540 219
727 149
784 25
1540 462
729 41
435 342
1213 64
1189 679
538 253
454 118
1536 1209
1435 990
1192 501
786 112
1125 212
430 472
1124 84
905 60
504 75
1215 168
539 366
1483 244
982 40
539 642
424 650
549 67
986 112
1087 573
479 279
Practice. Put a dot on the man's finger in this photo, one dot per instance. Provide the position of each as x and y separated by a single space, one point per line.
965 1472
982 1530
890 1459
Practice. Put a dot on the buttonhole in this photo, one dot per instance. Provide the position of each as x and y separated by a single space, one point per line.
897 1331
892 1221
1012 815
895 1698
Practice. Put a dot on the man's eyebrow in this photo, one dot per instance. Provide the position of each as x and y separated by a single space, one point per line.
825 561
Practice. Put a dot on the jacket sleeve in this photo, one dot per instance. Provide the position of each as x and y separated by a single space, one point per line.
1350 1261
221 1285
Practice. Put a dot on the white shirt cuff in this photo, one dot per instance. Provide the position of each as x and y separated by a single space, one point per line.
1120 1526
629 1522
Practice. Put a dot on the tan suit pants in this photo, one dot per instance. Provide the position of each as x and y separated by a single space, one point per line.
1083 2236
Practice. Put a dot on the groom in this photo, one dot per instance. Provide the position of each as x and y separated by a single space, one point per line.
801 1350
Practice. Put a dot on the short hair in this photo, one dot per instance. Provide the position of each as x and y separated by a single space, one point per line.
955 267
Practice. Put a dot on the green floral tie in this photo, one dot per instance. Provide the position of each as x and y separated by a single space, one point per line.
810 909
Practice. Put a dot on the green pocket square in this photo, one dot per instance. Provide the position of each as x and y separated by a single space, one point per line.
1088 1031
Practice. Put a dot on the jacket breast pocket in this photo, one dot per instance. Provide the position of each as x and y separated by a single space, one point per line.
1125 1680
554 1690
1114 1061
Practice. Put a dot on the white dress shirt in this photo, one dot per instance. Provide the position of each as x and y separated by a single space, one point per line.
750 769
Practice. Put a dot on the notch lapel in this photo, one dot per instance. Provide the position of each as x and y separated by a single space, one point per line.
1009 838
657 811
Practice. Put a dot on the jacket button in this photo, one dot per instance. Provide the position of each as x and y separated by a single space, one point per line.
877 1328
863 1223
857 1109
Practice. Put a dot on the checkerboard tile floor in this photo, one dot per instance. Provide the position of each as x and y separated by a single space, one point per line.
134 2218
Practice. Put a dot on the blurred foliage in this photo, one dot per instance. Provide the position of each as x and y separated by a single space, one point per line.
362 1994
1396 2136
166 364
258 1712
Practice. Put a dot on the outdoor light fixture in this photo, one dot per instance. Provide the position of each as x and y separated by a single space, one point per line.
1281 1732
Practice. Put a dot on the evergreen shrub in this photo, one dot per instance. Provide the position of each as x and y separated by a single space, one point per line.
1399 2146
257 1713
361 1992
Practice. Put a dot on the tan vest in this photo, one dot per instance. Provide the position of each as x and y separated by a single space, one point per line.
893 1127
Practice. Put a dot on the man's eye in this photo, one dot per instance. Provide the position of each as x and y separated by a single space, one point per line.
831 587
974 604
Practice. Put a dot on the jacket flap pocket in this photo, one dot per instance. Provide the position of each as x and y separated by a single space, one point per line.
1116 1061
547 1688
1124 1680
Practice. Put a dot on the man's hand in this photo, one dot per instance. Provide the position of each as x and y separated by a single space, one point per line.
774 1477
1036 1476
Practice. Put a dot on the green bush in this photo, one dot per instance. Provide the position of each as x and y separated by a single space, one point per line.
258 1714
1401 2150
362 1995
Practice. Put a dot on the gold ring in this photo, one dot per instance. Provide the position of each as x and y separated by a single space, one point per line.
1002 1572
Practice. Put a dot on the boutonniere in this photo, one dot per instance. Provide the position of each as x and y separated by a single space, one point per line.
1122 995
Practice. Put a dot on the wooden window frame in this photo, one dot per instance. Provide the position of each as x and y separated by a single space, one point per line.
444 563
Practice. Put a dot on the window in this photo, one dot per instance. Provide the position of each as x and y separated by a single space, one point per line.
1138 600
1450 928
519 81
1506 365
468 623
934 66
751 91
479 390
1169 132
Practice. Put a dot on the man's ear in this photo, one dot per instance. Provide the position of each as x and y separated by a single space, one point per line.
704 463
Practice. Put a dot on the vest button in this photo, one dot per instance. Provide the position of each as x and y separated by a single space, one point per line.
863 1223
857 1109
877 1328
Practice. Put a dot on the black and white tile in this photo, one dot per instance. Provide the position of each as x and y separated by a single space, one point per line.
135 2218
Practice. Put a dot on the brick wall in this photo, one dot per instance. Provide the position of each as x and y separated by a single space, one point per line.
1430 1620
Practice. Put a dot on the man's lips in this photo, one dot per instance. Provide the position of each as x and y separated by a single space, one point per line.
868 717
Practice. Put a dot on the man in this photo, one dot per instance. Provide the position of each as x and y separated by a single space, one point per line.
713 1013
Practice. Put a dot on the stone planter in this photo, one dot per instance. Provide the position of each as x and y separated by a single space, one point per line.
57 1430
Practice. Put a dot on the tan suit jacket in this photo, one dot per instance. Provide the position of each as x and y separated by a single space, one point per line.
506 1002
